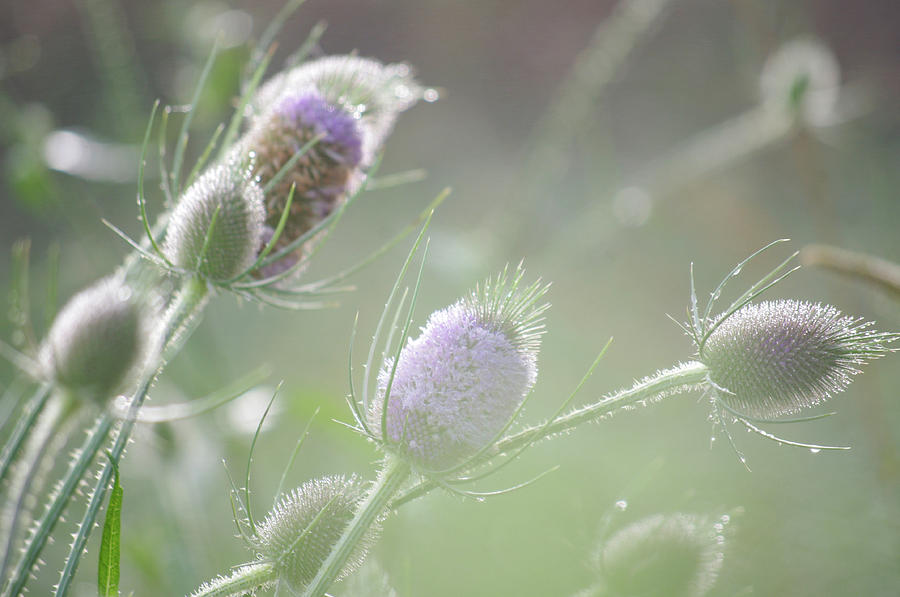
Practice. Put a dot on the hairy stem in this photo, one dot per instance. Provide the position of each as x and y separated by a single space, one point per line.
23 427
34 453
247 579
679 379
186 304
391 478
189 301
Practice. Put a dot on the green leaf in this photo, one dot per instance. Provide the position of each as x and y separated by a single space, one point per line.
108 573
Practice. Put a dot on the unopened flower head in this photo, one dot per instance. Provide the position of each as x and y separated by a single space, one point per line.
802 78
676 555
97 340
778 357
301 530
217 226
458 384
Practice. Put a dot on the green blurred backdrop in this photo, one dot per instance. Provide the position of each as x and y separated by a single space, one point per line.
537 157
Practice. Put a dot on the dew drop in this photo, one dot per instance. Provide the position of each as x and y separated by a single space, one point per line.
430 95
622 505
815 450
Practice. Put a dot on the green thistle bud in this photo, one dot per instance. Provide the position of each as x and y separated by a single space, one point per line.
778 357
300 532
96 341
674 555
222 249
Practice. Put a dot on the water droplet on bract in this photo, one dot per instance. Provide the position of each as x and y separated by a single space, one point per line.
725 518
430 95
719 527
815 450
622 505
712 439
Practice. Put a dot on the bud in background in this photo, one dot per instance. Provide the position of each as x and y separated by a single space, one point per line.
97 340
299 532
225 248
665 555
456 386
776 358
349 105
802 79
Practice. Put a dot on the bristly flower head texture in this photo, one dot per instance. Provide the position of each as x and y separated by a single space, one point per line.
97 340
457 385
665 555
314 128
776 358
216 228
301 530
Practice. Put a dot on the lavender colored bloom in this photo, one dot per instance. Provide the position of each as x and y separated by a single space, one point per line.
374 93
778 357
458 384
340 129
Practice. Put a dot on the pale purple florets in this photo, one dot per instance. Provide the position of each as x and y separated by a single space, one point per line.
455 387
340 129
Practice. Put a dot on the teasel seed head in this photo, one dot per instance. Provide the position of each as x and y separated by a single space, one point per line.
459 383
322 177
371 92
222 249
301 530
779 357
671 555
98 340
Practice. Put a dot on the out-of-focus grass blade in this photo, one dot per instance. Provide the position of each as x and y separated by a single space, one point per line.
108 570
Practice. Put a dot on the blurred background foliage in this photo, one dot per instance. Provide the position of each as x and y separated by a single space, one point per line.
548 111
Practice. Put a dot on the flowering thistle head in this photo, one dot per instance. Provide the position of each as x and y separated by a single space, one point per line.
97 340
322 174
301 530
776 358
453 389
216 228
676 555
371 92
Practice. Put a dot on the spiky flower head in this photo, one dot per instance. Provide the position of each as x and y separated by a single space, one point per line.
802 78
671 555
301 530
322 175
372 92
216 228
776 358
456 386
97 340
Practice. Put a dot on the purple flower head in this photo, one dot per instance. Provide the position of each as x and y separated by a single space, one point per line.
374 93
457 385
340 129
778 357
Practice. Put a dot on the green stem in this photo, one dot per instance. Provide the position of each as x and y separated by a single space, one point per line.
391 478
21 482
245 580
190 299
33 409
670 381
